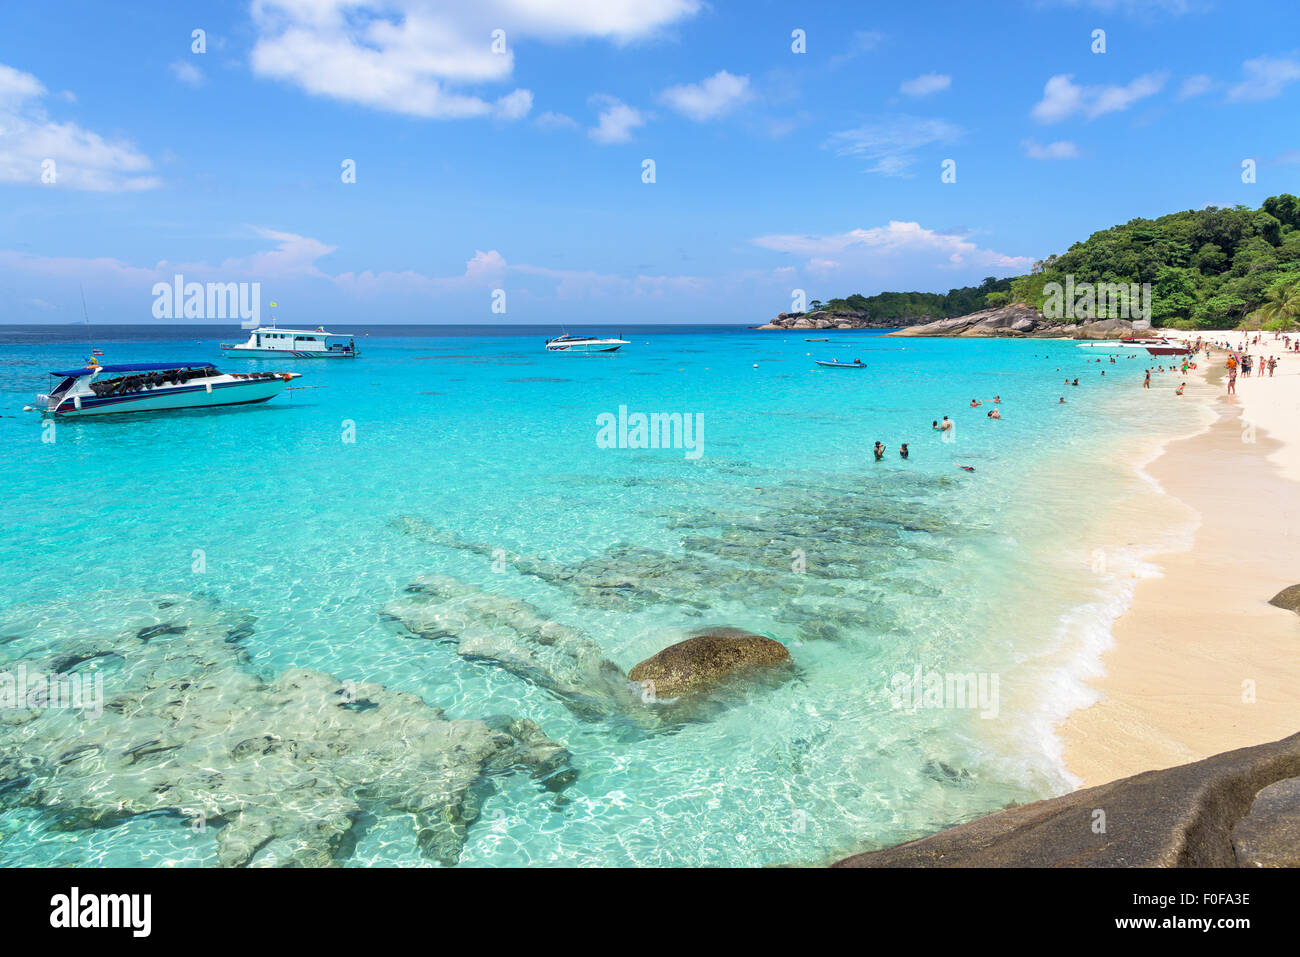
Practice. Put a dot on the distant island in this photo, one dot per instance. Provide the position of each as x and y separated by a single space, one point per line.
1206 268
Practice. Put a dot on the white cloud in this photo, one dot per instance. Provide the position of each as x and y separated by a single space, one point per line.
513 106
1196 85
187 72
556 121
31 144
292 258
1264 78
616 122
709 99
1062 97
17 87
883 246
412 56
891 141
925 84
1061 149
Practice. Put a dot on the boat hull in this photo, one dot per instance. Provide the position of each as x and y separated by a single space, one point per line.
193 395
585 347
237 353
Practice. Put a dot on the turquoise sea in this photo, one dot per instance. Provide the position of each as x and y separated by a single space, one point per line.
457 450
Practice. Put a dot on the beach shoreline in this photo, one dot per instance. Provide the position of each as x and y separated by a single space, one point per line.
1199 662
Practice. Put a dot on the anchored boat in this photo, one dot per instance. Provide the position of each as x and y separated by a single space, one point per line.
834 364
269 342
154 386
568 343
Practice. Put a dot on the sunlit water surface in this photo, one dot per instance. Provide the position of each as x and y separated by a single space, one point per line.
784 525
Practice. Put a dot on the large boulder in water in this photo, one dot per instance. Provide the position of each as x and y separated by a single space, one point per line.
708 659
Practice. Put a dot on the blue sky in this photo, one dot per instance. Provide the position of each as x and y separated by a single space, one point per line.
523 171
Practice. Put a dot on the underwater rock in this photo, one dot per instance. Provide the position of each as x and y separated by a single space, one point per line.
707 659
517 636
281 769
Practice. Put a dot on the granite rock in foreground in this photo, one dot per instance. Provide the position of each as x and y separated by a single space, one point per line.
1230 810
1288 598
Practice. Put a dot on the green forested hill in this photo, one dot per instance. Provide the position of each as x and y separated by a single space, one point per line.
1212 267
913 305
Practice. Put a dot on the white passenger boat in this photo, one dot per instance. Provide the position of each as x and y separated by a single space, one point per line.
270 342
568 343
155 386
1156 345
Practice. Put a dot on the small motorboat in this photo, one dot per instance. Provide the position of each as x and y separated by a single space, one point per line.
568 343
155 386
835 364
816 340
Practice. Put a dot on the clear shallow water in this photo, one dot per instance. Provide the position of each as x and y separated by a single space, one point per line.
490 444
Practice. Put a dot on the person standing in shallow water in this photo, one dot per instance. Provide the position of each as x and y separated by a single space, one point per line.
879 451
1146 383
902 450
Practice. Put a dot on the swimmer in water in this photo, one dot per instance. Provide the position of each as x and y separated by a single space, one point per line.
966 468
994 414
1062 401
879 450
974 403
902 450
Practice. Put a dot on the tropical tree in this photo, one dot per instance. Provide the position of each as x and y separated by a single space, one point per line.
1281 307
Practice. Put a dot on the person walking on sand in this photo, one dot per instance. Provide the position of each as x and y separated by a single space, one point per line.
1232 382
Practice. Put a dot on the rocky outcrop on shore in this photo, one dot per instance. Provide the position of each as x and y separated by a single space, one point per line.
1236 809
1288 598
1016 320
828 319
1020 320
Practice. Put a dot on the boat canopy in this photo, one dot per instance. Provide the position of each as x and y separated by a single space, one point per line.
137 367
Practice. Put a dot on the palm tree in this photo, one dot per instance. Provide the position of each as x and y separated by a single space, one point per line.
1282 306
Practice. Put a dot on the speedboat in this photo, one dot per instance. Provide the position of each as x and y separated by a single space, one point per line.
153 386
269 342
568 343
836 364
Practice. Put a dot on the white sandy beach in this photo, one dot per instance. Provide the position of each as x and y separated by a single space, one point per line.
1201 663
